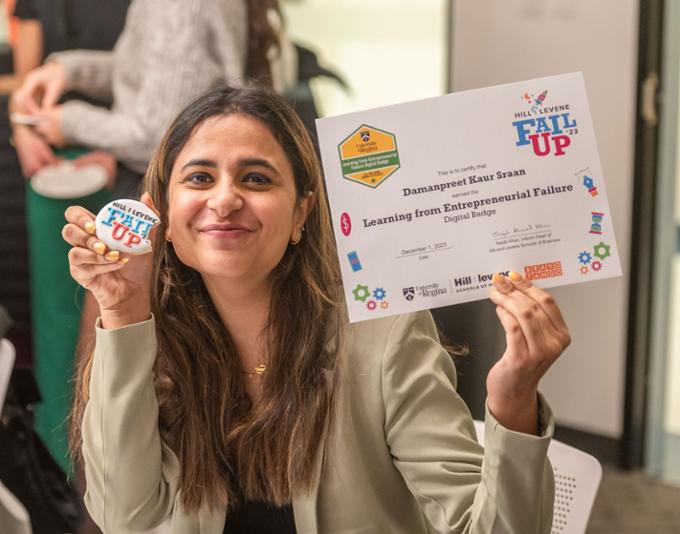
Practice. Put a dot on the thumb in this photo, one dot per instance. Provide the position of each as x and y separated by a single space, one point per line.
32 106
26 98
53 91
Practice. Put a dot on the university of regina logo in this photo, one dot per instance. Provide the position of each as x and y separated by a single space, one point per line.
424 291
369 156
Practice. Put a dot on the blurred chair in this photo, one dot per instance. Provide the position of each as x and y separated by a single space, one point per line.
6 364
577 477
14 518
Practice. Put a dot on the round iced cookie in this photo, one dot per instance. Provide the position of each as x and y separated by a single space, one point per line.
125 225
66 181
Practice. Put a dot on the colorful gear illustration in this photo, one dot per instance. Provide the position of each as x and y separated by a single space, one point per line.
584 258
384 304
602 250
371 305
361 292
596 265
584 269
379 293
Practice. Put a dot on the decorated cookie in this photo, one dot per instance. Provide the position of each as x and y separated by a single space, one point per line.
65 181
125 225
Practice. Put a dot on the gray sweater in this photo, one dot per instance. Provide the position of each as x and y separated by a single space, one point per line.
170 51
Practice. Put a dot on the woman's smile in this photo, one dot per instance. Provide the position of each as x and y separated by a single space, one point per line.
226 236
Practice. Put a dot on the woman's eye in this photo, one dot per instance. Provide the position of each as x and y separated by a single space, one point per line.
257 178
198 178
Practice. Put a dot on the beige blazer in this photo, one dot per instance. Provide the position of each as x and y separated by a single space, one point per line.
403 459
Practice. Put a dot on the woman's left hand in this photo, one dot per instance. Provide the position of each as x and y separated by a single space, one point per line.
50 127
536 335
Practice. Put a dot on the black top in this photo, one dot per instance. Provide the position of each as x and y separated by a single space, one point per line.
255 517
74 24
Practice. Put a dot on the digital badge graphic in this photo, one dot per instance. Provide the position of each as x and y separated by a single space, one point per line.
369 156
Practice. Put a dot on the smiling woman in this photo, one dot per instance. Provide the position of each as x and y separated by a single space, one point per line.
247 403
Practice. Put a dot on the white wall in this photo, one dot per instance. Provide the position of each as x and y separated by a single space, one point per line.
499 41
672 412
388 51
672 405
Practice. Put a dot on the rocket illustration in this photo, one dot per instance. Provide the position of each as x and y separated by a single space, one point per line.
541 98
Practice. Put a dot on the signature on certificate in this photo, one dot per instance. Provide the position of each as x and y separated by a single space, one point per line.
528 229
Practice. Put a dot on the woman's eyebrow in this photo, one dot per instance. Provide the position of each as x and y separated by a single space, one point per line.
245 162
199 163
248 162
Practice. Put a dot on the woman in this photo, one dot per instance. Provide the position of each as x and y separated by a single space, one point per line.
246 394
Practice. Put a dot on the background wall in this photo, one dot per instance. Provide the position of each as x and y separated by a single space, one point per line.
388 51
500 41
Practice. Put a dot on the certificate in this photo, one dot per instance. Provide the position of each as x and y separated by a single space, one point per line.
430 198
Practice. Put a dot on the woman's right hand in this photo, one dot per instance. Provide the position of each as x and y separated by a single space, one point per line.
120 284
41 89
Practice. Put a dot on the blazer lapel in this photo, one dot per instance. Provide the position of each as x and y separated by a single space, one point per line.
305 506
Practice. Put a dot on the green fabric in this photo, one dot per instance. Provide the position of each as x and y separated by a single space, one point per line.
71 152
56 304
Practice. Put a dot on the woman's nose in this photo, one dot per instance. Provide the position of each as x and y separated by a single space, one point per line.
225 198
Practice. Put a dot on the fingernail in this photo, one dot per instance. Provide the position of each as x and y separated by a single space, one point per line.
123 261
99 247
90 228
515 277
498 278
112 255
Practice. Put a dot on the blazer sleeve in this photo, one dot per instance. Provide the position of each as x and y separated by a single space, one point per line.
132 477
462 488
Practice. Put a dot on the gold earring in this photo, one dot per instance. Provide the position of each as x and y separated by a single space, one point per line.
297 239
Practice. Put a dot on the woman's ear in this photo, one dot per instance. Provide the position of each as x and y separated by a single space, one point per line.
304 209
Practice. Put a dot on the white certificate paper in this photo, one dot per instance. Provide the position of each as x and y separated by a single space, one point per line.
430 198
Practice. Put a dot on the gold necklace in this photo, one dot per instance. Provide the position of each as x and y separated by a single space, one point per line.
257 371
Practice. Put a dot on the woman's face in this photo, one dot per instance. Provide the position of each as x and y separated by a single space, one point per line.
232 203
